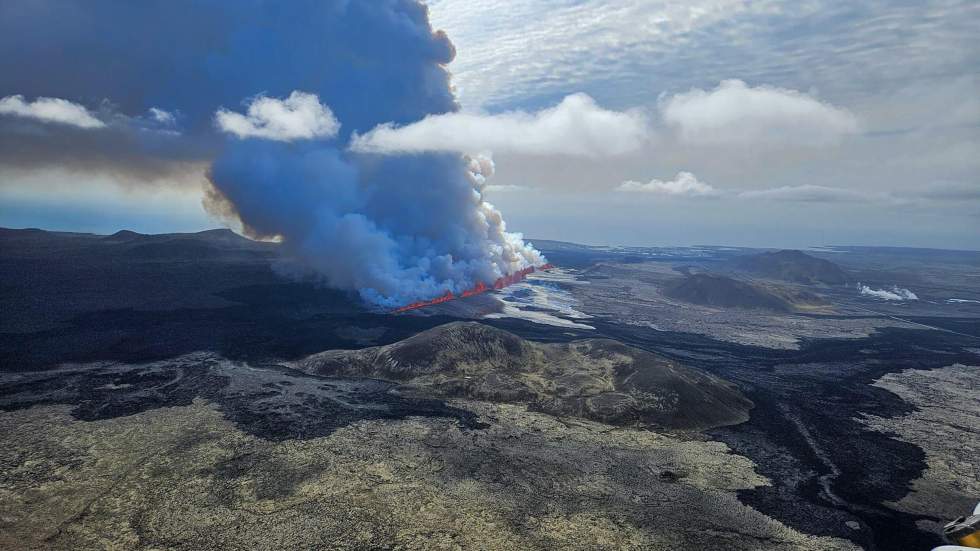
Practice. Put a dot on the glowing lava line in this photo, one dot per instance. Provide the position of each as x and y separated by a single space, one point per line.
477 289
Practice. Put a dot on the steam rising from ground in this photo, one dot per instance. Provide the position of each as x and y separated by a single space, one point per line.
896 293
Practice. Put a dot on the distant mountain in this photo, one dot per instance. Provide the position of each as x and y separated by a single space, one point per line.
724 292
598 379
123 236
218 244
791 265
50 277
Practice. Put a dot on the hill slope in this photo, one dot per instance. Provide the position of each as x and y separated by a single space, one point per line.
597 379
724 292
789 265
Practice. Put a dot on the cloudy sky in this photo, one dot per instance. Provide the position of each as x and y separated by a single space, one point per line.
640 123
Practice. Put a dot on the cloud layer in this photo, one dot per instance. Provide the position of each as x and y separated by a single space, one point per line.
684 184
297 117
810 193
844 48
50 110
735 113
576 126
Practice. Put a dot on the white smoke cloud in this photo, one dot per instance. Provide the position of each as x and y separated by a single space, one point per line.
684 184
735 113
50 110
576 126
896 293
298 117
507 250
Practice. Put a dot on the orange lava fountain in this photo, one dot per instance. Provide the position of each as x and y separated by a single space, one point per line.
477 289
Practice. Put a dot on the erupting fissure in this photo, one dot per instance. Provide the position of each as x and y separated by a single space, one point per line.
477 289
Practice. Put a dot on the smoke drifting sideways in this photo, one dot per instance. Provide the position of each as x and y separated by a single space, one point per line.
394 228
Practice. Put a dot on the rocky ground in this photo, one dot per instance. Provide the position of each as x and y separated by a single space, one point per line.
634 294
946 425
176 392
186 477
598 379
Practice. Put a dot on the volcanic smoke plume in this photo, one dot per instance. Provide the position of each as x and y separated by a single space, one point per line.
268 94
395 228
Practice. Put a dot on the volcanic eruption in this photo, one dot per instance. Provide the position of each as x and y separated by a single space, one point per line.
266 97
477 289
397 229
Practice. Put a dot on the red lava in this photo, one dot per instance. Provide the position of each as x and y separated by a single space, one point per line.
477 289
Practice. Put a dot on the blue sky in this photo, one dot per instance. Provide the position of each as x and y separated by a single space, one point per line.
705 122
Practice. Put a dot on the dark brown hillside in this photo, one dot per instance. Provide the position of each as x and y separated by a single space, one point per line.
598 379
